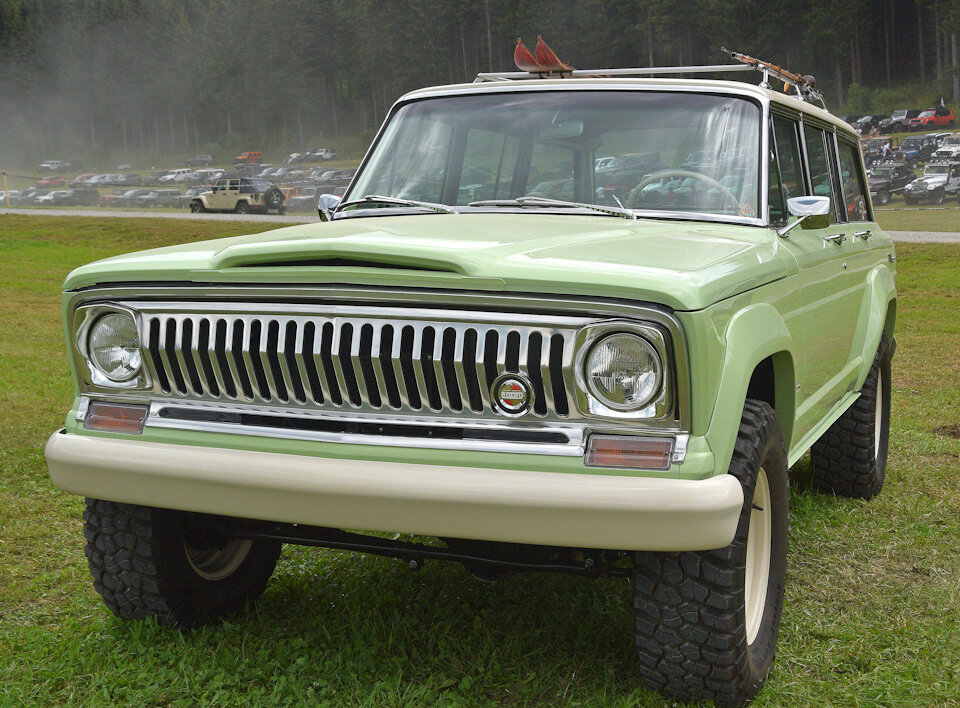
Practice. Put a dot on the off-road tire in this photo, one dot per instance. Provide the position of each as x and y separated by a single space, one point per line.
197 207
910 201
883 197
138 559
848 460
689 607
939 196
241 208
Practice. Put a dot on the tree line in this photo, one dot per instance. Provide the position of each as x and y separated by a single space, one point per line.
175 75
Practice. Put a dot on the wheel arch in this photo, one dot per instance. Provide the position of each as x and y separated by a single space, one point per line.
758 362
878 314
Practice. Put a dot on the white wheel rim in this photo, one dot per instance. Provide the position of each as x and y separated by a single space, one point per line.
878 419
218 563
758 556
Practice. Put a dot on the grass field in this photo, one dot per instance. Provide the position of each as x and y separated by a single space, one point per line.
873 588
896 218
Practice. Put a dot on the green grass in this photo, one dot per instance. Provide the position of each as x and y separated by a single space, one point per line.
870 616
897 218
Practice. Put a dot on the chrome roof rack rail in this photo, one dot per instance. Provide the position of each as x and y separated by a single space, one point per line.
604 73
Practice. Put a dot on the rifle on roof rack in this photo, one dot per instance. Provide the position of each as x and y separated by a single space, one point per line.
806 86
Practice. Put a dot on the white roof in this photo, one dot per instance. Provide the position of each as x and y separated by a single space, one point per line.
740 88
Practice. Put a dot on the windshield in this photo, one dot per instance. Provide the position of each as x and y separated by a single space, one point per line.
926 114
881 172
953 140
911 144
936 169
899 114
672 152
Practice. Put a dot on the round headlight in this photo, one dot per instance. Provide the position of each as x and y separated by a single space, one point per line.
623 371
114 346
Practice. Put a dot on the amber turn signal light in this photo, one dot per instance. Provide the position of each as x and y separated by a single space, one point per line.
629 452
115 417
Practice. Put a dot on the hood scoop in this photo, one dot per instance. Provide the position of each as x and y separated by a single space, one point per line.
336 254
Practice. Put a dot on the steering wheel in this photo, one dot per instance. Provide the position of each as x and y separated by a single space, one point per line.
634 196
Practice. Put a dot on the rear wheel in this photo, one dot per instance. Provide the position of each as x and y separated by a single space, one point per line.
850 460
883 197
171 565
242 208
707 621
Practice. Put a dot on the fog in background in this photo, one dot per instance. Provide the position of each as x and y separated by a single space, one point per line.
104 79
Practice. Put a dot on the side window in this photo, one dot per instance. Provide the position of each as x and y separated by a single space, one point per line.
791 167
851 176
821 178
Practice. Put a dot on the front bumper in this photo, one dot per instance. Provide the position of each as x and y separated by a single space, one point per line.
547 508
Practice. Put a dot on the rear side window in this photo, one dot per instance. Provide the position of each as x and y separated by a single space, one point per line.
851 177
821 177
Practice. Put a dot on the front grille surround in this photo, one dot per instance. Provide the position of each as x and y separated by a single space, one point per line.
358 344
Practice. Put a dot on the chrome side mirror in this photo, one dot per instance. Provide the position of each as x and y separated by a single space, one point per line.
812 213
327 205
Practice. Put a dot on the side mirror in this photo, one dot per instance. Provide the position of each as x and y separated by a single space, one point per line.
326 205
813 213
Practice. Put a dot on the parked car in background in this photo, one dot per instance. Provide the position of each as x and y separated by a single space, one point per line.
199 161
321 174
940 181
323 153
916 149
241 196
32 198
888 178
56 197
22 197
57 181
898 121
112 199
266 170
84 196
938 117
205 176
949 148
177 175
51 166
183 200
251 157
80 180
9 195
159 198
154 177
305 201
868 122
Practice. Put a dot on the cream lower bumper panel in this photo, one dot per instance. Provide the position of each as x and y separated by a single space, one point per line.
557 509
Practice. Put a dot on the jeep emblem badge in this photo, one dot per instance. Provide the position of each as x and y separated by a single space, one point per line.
511 394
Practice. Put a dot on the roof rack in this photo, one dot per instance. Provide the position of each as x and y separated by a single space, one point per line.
804 87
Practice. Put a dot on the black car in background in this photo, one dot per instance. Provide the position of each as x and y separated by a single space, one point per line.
898 121
868 123
305 201
159 198
886 179
199 161
916 149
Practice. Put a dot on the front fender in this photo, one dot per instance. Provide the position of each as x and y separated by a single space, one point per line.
753 334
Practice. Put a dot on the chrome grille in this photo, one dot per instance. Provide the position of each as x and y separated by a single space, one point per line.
364 359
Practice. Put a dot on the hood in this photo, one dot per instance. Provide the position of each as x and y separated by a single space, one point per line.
929 180
683 265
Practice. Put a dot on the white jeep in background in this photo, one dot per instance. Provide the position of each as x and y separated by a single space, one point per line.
949 149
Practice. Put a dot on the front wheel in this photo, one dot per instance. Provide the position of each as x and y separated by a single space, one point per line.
707 621
910 201
171 565
939 197
197 207
883 197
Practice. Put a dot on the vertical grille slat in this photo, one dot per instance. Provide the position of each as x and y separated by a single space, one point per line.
331 361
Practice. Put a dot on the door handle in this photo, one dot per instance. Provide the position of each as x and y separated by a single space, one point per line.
862 234
835 239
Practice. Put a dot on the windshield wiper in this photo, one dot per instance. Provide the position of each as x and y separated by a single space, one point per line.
397 201
536 201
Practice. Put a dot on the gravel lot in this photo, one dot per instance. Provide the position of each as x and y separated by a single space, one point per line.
904 236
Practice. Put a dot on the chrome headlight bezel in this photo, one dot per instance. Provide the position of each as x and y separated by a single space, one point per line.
661 407
92 377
